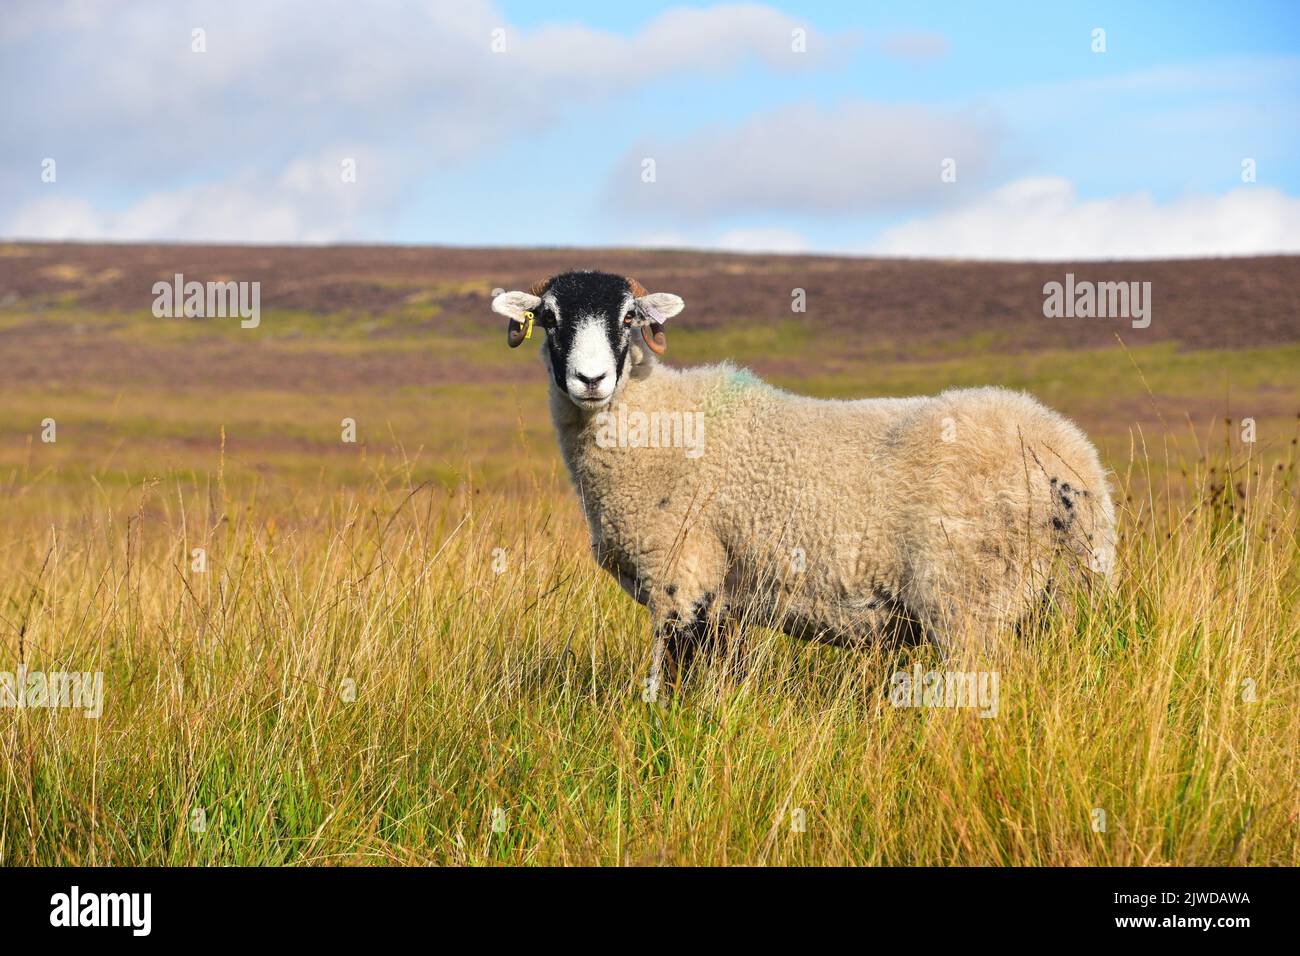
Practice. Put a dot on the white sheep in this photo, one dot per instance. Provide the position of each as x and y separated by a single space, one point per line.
711 495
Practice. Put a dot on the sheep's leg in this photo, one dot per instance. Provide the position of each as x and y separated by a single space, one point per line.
680 643
675 645
682 594
721 640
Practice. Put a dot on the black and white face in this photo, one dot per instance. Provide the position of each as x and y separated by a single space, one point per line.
592 321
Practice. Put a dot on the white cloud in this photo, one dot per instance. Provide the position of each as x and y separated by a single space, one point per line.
854 159
915 46
755 239
1043 218
762 240
770 239
309 201
684 38
117 96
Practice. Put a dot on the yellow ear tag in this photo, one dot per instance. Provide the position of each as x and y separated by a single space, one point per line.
528 325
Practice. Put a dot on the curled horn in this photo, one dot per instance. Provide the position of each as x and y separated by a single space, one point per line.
653 330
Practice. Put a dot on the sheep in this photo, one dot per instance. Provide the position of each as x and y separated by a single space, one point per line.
834 521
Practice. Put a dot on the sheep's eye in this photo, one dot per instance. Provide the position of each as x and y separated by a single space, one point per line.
627 319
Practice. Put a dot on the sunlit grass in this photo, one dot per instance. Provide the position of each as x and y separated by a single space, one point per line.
352 681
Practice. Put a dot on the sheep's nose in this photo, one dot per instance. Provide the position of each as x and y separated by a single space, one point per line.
591 381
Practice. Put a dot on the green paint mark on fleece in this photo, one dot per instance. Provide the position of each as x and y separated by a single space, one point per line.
733 384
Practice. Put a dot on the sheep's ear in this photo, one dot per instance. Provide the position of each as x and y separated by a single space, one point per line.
518 307
656 308
513 305
660 306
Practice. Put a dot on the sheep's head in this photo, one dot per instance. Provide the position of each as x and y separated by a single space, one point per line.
592 321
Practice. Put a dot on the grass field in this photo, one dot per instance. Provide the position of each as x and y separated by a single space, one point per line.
399 650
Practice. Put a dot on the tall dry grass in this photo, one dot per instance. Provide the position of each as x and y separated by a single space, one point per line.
352 681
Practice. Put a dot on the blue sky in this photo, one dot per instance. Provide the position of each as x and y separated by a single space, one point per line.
1059 151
